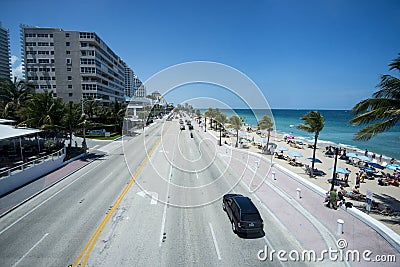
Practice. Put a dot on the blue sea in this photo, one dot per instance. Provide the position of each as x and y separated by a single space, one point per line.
337 129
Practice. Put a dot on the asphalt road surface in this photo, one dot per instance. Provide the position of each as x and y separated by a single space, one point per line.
152 200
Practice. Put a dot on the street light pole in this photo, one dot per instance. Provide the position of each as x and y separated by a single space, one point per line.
84 146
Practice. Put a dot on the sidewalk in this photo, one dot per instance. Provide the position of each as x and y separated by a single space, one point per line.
307 218
16 198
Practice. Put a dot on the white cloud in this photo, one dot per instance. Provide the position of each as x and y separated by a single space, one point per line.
16 66
17 72
13 59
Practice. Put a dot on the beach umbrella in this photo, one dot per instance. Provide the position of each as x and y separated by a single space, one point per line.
295 154
369 169
364 158
315 160
340 170
393 166
352 155
282 148
376 165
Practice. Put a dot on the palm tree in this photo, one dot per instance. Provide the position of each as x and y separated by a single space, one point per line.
236 123
208 113
117 113
266 123
42 111
198 115
220 118
72 119
382 110
13 94
313 123
90 106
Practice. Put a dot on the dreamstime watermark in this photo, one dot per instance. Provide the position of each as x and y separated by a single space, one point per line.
333 254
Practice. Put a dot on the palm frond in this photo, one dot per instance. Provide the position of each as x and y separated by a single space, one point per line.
390 87
371 130
304 127
395 63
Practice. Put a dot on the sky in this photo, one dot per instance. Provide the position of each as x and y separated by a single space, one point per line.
316 54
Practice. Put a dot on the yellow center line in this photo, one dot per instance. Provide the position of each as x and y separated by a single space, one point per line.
93 240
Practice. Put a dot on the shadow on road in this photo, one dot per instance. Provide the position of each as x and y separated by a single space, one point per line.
251 235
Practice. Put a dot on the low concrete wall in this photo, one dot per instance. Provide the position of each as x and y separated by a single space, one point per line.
18 177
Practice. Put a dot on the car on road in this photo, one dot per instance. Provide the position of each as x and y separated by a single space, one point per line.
190 127
182 127
242 213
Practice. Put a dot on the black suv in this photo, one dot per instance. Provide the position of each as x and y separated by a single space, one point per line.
242 213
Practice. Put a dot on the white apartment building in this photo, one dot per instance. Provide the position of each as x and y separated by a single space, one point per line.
73 65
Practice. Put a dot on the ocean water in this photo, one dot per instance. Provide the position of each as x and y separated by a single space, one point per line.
337 129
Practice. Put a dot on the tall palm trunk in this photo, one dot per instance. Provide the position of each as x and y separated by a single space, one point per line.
237 138
313 160
269 133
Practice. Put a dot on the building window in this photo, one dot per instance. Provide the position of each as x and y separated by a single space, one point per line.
53 78
69 78
54 87
67 35
52 52
67 43
43 61
69 61
54 94
30 44
70 94
69 69
69 86
67 52
52 60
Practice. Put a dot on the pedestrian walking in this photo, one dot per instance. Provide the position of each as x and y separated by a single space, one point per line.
333 198
357 179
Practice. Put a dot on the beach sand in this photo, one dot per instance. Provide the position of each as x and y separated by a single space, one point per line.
388 195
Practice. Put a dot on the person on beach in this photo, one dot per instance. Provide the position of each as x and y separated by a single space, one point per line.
363 176
326 200
366 152
355 194
380 158
346 176
333 198
341 194
357 179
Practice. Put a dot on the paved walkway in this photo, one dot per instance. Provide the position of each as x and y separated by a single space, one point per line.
307 218
23 194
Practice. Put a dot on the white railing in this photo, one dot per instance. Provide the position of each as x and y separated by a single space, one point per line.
32 163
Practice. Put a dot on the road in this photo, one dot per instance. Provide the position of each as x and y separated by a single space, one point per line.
152 200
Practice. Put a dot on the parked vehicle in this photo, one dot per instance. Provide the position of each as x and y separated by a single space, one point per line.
182 127
242 213
190 127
